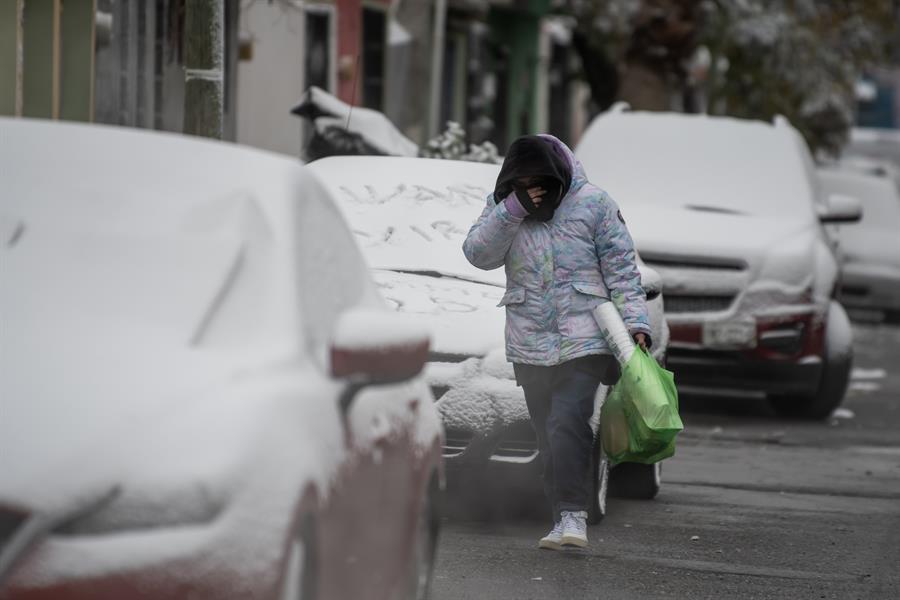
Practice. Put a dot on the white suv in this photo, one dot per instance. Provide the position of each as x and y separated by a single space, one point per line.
729 213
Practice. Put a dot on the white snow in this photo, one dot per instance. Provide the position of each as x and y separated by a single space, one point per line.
859 373
368 328
376 128
667 159
152 341
411 214
462 316
843 413
864 386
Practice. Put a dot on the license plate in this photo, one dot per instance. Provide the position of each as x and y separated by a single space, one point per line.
729 334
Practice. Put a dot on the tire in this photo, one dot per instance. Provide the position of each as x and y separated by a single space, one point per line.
599 483
635 480
835 373
418 581
299 581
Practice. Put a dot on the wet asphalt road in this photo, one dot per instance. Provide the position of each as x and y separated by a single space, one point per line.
751 506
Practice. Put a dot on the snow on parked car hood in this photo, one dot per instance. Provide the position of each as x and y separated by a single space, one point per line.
692 161
111 368
411 217
701 187
412 214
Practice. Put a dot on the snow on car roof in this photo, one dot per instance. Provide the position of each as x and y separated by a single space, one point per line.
115 245
411 214
725 164
187 209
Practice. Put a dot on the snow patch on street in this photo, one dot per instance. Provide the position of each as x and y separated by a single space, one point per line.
868 374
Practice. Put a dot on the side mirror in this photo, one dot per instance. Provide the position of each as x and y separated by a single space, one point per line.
841 209
376 347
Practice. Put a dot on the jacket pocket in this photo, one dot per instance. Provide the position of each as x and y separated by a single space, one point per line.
520 324
512 296
578 319
591 289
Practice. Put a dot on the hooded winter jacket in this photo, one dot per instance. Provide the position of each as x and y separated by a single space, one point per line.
559 269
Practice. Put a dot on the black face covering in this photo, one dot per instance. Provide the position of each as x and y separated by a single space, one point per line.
534 157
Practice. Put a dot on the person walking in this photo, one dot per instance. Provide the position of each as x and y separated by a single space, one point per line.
566 249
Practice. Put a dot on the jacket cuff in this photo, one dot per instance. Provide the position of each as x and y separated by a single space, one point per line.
636 330
515 207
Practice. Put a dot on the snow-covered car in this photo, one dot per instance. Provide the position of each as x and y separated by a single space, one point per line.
870 251
410 216
202 393
873 142
730 213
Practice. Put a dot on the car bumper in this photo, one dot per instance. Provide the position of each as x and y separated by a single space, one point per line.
875 289
728 370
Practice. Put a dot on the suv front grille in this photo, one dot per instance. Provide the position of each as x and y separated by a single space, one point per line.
517 451
439 390
675 304
455 442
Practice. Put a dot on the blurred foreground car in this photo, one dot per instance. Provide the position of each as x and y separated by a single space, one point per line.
729 212
411 217
202 393
870 251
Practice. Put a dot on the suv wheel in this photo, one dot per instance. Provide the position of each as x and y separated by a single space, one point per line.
835 372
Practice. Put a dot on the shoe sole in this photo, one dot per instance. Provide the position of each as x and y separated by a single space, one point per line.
568 540
546 544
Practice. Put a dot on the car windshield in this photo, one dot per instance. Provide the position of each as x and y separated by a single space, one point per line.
718 165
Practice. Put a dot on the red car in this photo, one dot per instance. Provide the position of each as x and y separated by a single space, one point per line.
203 394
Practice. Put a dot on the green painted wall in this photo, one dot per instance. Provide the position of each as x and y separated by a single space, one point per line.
519 30
8 35
76 101
39 83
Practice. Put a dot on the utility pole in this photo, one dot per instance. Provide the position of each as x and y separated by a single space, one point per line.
437 64
203 65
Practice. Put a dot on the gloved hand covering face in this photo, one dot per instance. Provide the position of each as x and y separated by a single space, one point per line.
534 159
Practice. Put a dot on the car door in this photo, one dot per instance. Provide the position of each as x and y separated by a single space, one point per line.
368 520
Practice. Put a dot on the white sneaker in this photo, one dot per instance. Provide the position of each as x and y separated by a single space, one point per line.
574 528
553 540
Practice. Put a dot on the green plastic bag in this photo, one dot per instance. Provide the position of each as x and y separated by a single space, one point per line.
639 420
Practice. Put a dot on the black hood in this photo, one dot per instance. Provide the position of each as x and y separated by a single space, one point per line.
533 156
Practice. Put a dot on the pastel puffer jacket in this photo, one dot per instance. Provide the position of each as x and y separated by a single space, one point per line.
558 271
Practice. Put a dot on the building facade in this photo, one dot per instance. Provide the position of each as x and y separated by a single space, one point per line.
500 68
